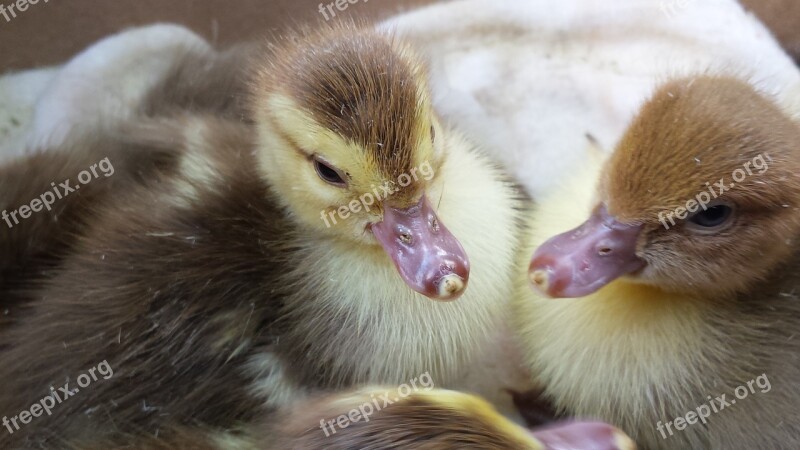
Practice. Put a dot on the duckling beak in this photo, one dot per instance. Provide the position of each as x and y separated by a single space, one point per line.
429 258
583 260
583 436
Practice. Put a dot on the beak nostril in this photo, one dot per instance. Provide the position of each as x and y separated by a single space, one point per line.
435 225
405 237
605 251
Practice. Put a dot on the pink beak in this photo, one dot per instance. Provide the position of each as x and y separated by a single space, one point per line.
583 436
581 261
429 258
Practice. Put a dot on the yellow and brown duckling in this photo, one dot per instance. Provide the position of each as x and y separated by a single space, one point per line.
225 289
685 260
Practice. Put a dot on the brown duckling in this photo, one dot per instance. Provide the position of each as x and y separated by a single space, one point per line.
47 196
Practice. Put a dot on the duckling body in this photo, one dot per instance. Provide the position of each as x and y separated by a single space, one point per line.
217 294
44 206
47 179
707 322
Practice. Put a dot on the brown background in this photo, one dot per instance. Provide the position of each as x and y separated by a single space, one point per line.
49 33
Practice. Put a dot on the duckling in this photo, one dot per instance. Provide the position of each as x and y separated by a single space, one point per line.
43 205
294 251
200 80
428 419
679 309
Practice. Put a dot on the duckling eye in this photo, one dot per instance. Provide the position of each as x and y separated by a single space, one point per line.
433 133
713 217
328 173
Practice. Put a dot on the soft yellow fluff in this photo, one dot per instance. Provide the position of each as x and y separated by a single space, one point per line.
616 353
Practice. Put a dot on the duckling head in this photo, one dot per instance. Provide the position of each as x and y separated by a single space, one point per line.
348 140
701 196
